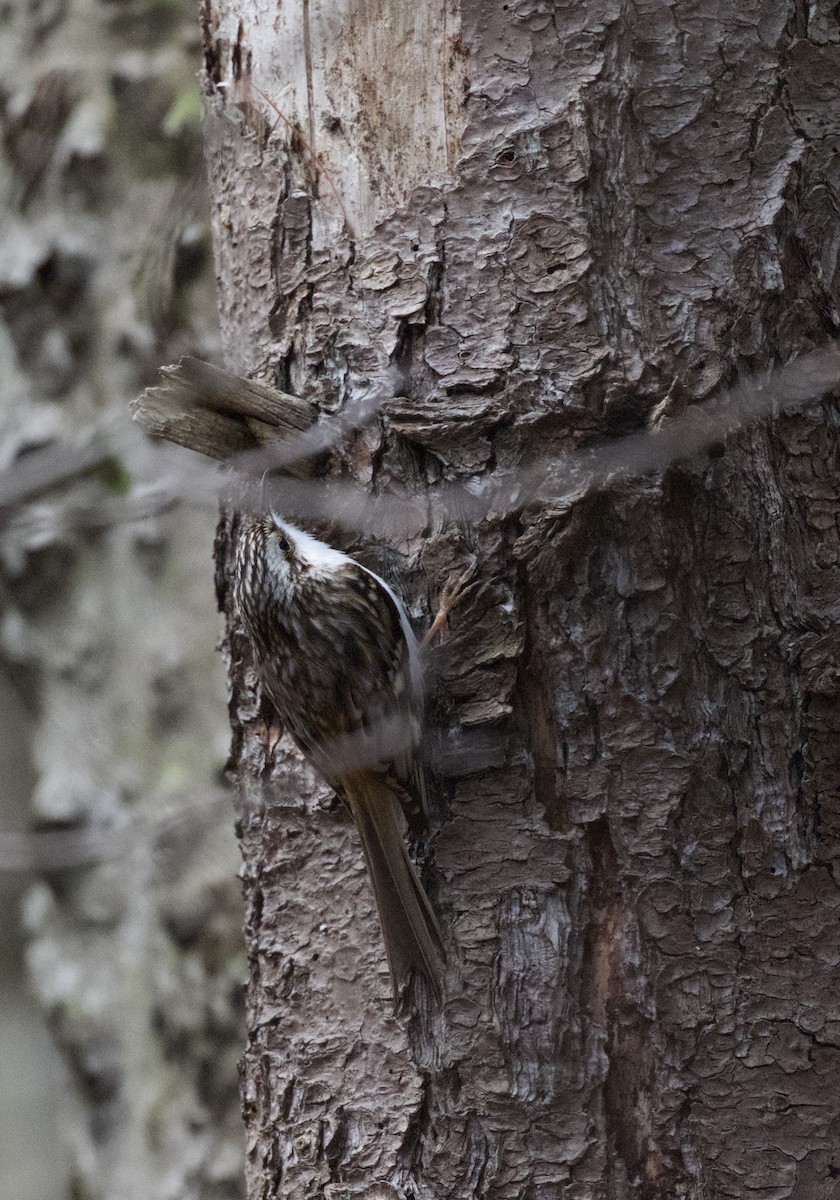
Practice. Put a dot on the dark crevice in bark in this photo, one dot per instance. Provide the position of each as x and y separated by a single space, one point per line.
629 1088
533 705
277 235
480 1146
274 1170
336 1144
410 1152
214 48
236 53
800 18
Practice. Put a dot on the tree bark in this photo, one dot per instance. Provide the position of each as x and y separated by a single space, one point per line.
545 227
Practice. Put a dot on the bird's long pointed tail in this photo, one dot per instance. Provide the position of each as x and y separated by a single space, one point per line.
410 930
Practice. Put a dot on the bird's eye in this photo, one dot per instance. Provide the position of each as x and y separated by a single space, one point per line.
283 543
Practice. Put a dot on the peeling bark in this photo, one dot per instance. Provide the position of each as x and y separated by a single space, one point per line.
617 211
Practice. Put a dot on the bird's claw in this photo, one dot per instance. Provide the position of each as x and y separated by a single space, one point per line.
451 597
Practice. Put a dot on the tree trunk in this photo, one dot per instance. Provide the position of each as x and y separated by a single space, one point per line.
541 227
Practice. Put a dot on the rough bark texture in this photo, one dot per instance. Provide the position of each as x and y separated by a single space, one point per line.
107 633
616 205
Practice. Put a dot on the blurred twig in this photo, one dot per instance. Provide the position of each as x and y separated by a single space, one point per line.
42 470
50 850
555 480
255 430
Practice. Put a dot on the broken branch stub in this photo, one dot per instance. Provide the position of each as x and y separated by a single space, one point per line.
216 413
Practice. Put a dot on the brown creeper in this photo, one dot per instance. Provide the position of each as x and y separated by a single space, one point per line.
338 660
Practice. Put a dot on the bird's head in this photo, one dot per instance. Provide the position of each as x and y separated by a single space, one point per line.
266 562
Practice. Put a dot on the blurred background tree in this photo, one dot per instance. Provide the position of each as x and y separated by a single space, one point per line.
114 731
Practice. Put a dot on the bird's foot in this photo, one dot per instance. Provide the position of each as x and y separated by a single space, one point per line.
269 731
451 597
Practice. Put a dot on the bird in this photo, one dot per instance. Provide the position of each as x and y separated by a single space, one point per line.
339 663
